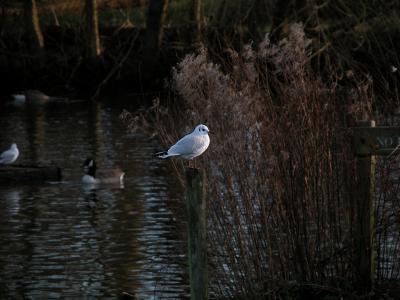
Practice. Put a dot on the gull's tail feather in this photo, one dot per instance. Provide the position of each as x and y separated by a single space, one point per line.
162 154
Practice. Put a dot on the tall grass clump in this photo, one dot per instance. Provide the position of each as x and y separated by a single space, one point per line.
280 202
280 169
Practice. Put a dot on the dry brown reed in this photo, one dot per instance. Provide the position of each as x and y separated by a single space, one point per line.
280 169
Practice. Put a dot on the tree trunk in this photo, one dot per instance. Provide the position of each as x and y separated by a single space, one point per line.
35 36
197 17
156 15
92 29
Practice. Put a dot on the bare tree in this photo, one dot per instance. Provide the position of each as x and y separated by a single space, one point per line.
32 26
92 29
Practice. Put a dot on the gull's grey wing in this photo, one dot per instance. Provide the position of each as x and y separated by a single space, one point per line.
186 145
6 156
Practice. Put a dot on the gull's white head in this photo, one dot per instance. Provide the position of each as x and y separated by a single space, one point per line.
201 129
14 146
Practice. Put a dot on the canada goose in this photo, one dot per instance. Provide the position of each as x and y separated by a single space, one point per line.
91 176
190 146
9 156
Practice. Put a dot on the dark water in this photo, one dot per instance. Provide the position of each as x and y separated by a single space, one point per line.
62 240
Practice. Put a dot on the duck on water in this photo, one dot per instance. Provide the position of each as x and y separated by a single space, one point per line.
94 176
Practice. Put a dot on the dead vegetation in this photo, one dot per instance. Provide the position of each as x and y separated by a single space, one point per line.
281 207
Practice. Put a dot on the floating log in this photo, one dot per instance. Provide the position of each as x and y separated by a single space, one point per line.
24 173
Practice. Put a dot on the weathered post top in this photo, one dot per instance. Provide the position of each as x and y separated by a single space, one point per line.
192 173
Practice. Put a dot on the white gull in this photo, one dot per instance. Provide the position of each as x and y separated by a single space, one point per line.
9 156
190 146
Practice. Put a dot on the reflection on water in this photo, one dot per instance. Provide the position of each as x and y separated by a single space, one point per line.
62 239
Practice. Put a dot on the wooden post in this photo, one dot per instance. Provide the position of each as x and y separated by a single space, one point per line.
365 224
197 226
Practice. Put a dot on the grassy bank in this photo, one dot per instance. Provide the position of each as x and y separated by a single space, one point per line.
347 38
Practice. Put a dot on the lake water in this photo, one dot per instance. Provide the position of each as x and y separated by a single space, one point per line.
62 240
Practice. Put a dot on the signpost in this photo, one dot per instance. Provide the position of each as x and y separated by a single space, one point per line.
368 142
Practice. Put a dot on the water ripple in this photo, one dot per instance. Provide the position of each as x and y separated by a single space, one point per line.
59 240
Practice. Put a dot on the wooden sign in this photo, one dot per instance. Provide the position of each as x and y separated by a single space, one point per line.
376 140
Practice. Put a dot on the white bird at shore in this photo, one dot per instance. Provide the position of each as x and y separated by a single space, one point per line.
9 156
190 146
19 98
35 97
